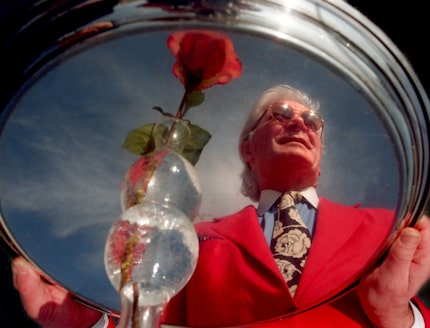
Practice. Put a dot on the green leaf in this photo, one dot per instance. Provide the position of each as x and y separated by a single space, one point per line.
140 141
192 155
195 99
193 149
199 137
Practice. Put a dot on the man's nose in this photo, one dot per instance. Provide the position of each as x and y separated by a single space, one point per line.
295 123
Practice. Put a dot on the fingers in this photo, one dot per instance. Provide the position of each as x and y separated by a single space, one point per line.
420 272
49 305
423 225
35 293
404 249
407 265
386 292
402 253
29 285
21 270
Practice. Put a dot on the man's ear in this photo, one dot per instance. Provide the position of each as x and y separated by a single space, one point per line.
245 151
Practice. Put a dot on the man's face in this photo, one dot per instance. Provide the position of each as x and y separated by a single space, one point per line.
284 149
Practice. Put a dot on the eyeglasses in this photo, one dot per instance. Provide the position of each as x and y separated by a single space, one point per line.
282 112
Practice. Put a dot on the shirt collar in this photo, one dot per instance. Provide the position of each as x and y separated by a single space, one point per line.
268 197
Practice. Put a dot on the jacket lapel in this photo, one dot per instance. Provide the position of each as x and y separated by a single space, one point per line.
342 247
244 230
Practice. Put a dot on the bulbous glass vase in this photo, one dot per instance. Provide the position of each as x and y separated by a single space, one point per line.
150 254
164 175
151 251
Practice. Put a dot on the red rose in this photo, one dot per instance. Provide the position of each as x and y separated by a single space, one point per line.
203 59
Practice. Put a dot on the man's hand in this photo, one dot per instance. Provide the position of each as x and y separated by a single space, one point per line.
386 292
47 304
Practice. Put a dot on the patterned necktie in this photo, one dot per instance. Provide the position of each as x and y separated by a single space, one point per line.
291 240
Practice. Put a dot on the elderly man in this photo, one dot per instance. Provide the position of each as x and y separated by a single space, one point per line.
253 267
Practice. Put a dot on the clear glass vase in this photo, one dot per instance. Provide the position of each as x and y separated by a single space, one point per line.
164 174
150 254
151 250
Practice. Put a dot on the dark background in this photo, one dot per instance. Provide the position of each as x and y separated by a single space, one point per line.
406 24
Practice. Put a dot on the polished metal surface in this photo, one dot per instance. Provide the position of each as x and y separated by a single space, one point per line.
92 70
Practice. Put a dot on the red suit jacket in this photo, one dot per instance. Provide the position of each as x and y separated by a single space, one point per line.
237 282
